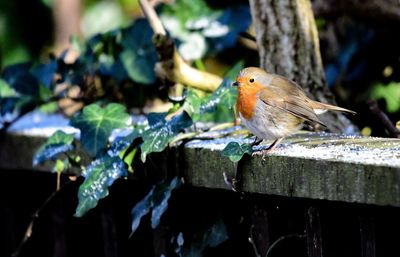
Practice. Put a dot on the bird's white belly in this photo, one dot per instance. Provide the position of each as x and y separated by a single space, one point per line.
263 125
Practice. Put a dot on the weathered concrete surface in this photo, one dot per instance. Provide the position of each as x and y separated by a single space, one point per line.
17 150
309 165
318 166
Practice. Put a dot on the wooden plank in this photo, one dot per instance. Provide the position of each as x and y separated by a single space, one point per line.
259 231
313 233
367 236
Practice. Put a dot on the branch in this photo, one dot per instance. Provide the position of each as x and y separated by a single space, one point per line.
152 17
171 66
393 131
35 216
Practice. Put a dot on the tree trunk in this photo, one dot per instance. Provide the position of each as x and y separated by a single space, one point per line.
288 45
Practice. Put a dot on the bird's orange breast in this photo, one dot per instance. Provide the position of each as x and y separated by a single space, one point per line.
247 99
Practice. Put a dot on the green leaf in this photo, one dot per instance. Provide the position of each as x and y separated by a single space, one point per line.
45 93
6 90
50 107
44 72
235 151
59 142
61 165
161 196
200 29
96 125
19 77
99 176
155 201
389 92
220 102
141 208
188 11
157 137
218 106
121 143
139 55
224 95
234 71
192 105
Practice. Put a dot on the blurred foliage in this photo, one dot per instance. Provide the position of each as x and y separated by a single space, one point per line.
362 62
390 93
201 30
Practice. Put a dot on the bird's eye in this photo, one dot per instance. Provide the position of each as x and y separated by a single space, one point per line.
251 80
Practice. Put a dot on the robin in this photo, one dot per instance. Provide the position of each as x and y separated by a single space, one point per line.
274 107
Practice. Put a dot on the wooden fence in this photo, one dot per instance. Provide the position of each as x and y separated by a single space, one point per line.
318 195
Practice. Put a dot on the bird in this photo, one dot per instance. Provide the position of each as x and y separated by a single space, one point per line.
273 107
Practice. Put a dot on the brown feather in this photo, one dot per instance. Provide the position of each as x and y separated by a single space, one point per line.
295 105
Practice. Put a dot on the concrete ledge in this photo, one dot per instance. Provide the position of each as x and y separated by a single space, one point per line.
309 165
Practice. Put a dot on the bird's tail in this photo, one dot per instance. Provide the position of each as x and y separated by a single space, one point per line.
321 108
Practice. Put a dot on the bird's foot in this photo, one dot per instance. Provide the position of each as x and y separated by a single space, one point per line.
267 151
263 153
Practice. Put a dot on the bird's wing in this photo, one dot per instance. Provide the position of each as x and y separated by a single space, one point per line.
288 98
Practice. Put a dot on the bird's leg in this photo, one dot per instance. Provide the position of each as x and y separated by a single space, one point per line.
256 142
269 149
273 145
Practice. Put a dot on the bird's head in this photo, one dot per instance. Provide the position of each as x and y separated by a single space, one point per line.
252 77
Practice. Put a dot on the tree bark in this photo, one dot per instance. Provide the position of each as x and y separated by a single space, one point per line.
288 45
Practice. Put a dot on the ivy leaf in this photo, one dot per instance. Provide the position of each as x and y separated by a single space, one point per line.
96 125
155 201
59 142
121 143
99 176
161 196
224 95
188 12
156 119
5 90
50 107
200 28
121 147
192 105
18 76
233 21
141 208
218 106
139 55
234 71
61 165
157 137
235 151
45 72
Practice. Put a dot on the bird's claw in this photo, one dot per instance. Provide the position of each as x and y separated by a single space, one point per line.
263 153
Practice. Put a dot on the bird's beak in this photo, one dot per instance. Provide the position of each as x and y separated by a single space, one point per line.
235 84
